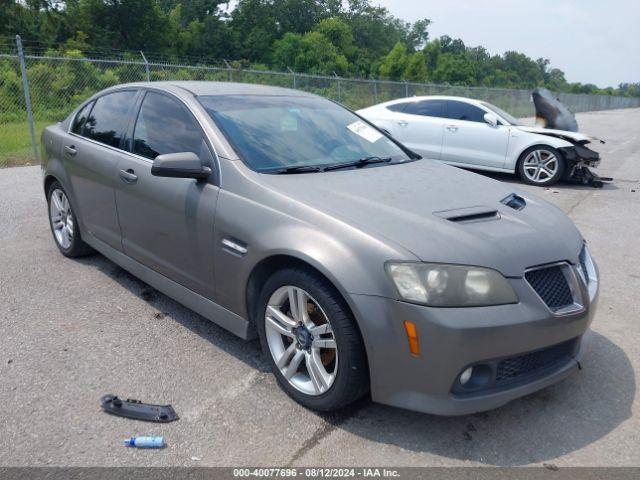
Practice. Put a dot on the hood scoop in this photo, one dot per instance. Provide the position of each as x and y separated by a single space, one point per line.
469 214
514 201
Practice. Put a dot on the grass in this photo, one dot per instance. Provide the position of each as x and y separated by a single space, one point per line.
15 143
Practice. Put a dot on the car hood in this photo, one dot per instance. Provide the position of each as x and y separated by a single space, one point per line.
440 214
576 137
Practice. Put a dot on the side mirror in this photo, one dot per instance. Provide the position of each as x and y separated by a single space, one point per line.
179 165
491 119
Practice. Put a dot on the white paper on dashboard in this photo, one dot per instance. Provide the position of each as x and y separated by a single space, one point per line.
365 131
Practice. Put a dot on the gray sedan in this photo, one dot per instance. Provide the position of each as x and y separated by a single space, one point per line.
361 267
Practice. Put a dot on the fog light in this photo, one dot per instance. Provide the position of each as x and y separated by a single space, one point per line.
466 375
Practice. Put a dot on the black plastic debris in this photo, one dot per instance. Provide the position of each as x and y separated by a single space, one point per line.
137 410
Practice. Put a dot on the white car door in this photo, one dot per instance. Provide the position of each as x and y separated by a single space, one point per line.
469 140
420 127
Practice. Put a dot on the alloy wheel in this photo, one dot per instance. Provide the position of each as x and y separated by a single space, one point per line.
61 218
540 166
301 340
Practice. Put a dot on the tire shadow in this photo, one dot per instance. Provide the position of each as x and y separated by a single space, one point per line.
248 352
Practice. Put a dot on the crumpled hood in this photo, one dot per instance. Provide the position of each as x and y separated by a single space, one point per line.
397 203
575 136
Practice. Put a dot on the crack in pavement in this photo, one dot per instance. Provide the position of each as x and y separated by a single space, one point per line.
577 204
331 421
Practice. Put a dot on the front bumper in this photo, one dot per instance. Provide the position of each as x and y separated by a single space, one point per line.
451 339
580 155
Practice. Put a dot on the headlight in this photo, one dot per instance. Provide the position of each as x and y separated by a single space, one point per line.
442 285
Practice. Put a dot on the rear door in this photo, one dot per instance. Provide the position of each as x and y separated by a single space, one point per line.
420 127
167 223
469 140
91 151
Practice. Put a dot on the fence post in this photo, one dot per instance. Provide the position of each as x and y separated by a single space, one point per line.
338 80
146 66
230 70
294 76
375 90
406 88
27 97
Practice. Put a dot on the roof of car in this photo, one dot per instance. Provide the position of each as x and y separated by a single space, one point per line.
200 88
434 97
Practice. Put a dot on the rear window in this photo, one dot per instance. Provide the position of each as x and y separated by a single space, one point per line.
426 108
398 107
81 118
108 119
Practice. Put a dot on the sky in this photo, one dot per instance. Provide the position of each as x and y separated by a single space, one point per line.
592 41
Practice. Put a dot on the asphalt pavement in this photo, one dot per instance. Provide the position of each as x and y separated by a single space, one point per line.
74 330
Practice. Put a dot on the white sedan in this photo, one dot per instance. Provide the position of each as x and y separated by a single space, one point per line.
476 134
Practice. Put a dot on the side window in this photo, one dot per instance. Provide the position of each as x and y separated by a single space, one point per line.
398 107
108 119
464 111
426 108
166 126
81 118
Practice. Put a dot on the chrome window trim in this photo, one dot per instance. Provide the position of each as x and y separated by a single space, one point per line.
119 150
569 272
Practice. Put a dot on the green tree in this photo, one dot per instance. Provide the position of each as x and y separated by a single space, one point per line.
394 65
338 32
418 35
310 53
121 24
454 69
416 69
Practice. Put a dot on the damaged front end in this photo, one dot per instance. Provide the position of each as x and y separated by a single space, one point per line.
557 121
579 159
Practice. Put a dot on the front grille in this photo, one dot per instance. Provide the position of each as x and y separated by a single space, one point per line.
551 285
583 264
512 369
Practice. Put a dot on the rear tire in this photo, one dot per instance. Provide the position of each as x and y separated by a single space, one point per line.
319 378
541 165
64 223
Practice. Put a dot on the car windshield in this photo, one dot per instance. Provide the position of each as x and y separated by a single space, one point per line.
271 133
509 118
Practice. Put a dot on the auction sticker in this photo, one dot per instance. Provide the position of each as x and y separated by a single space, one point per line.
365 131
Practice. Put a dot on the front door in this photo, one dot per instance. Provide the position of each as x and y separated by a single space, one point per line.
167 223
470 140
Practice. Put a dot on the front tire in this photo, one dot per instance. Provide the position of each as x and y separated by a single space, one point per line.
64 224
311 340
541 165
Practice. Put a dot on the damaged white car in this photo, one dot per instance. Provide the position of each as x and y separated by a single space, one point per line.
475 134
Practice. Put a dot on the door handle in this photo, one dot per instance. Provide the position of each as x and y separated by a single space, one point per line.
70 150
452 128
403 123
128 176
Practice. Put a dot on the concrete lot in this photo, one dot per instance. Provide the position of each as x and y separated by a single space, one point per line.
72 331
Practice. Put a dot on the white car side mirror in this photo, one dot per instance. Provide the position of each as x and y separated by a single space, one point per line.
491 119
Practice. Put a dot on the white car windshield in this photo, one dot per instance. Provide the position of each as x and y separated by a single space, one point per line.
506 116
274 132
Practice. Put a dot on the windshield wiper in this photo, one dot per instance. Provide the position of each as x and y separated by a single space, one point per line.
357 163
293 169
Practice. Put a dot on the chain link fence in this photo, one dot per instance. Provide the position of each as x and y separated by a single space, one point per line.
55 85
